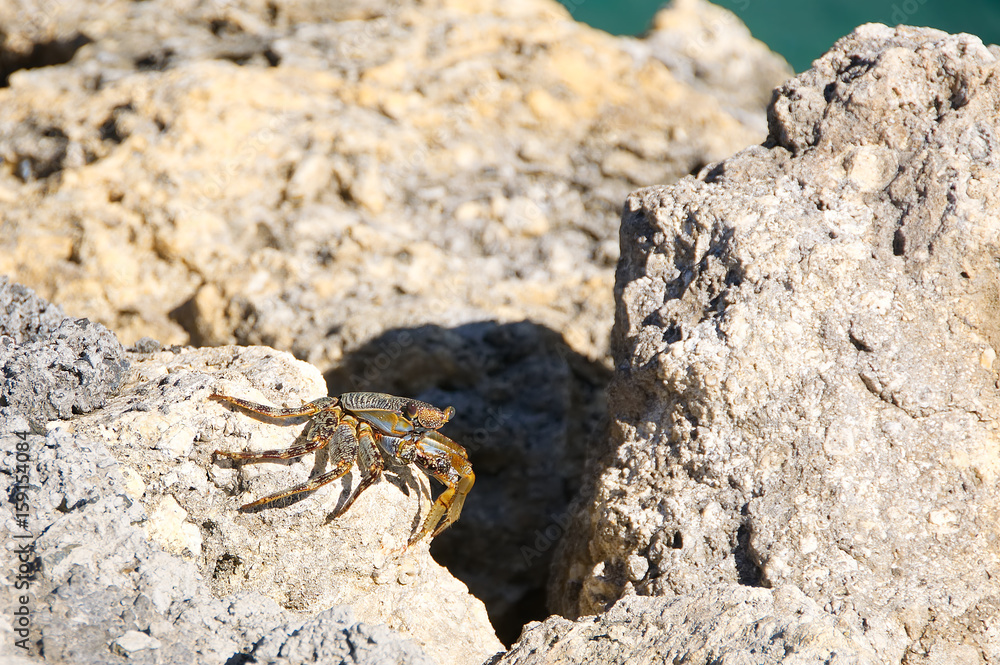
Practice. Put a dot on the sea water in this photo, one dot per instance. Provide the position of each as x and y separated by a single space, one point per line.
802 30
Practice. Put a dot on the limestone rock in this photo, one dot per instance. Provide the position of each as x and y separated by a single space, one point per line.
24 316
324 177
95 580
164 428
724 623
304 176
127 541
52 366
805 389
334 636
709 48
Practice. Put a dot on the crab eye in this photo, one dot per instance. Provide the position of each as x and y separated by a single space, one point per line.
411 410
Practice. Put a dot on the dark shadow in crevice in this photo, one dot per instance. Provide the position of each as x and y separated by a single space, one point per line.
748 572
42 54
157 60
527 408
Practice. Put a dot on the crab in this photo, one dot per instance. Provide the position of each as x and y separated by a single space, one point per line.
356 426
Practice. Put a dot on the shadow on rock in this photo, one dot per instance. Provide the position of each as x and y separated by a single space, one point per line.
526 408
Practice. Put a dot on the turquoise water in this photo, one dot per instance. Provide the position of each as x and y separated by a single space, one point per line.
801 30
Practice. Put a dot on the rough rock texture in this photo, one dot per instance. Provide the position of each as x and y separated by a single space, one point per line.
51 366
334 637
724 623
324 178
709 48
306 178
164 429
98 577
526 406
806 334
127 535
24 317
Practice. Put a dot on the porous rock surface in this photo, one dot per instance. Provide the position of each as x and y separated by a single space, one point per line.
307 175
164 429
388 190
724 623
806 390
74 365
710 48
129 534
333 636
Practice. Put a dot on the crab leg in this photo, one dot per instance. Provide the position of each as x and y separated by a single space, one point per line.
307 409
366 427
321 431
346 447
371 464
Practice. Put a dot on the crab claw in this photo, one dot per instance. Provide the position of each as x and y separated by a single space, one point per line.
448 462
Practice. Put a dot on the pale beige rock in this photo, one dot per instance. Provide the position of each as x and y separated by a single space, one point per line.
133 641
288 552
319 177
134 483
169 528
805 394
716 624
196 177
711 49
